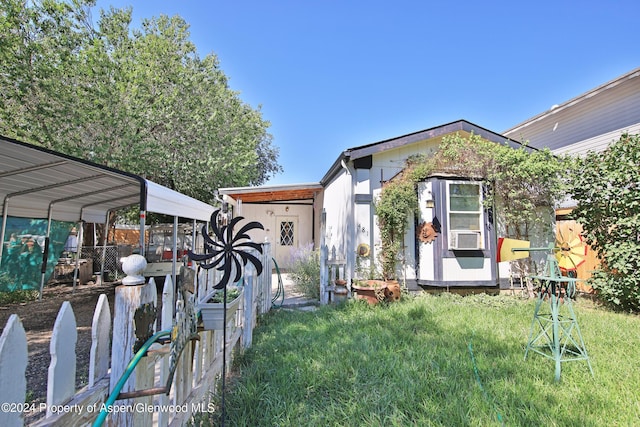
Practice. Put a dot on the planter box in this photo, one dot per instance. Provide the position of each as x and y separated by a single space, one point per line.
213 312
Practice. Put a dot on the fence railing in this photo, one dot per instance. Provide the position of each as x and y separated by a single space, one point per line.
196 370
332 268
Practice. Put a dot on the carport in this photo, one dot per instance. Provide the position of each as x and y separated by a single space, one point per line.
39 183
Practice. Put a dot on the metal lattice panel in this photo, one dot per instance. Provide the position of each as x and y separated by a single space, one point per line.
286 233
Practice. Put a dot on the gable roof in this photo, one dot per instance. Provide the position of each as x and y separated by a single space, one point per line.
36 182
362 151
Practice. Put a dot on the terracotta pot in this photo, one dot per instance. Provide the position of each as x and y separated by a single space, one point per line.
372 293
392 291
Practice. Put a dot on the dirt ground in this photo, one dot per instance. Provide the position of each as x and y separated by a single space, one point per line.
38 318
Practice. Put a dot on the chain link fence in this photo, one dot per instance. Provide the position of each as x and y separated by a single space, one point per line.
112 255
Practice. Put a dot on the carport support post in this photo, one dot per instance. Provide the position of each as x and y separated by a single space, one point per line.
142 226
45 253
104 245
174 251
4 226
78 253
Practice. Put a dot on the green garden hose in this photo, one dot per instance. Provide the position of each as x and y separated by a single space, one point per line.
125 376
280 292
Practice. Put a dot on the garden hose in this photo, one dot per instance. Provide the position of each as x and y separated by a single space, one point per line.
280 292
484 392
125 376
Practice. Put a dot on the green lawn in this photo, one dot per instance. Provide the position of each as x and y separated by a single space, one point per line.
432 361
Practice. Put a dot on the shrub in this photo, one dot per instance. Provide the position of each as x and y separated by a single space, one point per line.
607 191
305 271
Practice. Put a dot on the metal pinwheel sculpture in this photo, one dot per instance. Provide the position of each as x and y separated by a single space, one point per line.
226 251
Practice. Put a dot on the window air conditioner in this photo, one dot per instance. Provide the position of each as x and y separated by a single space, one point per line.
465 240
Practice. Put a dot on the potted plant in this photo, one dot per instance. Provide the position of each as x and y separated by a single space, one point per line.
370 290
211 307
397 201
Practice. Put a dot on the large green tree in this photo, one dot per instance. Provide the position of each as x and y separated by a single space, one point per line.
138 99
607 191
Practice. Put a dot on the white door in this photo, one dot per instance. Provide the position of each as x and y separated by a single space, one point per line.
286 239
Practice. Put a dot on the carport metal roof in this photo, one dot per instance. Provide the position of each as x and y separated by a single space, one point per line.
40 183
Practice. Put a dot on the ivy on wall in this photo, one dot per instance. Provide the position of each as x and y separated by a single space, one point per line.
520 181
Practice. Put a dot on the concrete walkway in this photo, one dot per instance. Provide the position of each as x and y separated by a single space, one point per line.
292 299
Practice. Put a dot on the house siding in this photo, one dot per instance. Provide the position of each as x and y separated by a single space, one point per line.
439 266
588 122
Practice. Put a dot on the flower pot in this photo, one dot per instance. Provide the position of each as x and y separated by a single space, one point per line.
213 312
392 292
373 291
340 292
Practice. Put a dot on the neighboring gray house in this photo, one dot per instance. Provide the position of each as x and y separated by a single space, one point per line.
589 122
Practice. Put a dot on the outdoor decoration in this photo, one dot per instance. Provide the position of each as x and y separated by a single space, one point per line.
214 314
185 330
228 253
144 317
340 292
573 249
426 232
363 250
133 266
372 291
554 334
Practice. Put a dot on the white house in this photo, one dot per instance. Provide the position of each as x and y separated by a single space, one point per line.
464 250
460 255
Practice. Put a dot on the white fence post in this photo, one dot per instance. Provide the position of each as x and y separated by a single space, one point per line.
127 300
266 279
13 365
100 339
324 275
166 323
61 385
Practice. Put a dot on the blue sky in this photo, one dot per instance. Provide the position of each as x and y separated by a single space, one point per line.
335 74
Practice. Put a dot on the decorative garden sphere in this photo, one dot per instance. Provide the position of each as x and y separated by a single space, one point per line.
133 266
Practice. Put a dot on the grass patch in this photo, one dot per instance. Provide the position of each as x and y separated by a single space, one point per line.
18 296
431 361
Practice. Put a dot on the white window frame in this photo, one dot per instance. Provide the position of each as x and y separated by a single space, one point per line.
480 213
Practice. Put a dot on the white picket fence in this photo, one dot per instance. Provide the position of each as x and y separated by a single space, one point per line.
197 370
332 268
